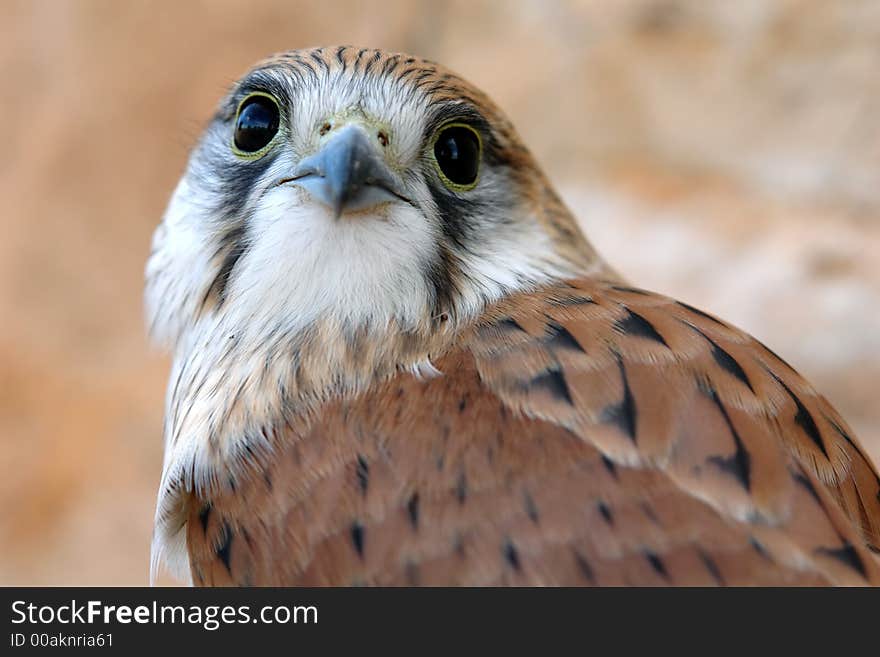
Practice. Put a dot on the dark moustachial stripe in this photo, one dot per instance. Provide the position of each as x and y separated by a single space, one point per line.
623 413
234 245
740 463
635 324
605 510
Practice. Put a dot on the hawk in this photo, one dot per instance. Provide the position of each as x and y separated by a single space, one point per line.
398 361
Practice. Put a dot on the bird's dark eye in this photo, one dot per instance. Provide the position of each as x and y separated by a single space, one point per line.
457 153
256 124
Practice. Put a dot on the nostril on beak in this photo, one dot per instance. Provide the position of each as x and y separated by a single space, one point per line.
349 170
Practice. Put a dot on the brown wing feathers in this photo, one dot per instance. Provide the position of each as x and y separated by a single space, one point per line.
584 434
660 383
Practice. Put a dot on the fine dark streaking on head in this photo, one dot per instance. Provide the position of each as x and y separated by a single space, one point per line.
373 219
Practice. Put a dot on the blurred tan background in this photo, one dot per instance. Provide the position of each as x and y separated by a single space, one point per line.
727 153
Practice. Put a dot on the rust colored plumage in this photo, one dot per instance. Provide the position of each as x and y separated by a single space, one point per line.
585 433
581 433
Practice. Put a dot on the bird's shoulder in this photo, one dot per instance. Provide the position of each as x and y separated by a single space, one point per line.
654 382
583 432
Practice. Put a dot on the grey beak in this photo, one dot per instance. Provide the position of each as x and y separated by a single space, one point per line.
348 173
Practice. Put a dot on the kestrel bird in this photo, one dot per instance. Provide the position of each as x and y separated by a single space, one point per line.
398 361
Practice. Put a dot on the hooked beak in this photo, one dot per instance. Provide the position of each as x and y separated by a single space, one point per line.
347 173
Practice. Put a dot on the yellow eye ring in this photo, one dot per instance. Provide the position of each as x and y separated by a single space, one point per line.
256 127
456 150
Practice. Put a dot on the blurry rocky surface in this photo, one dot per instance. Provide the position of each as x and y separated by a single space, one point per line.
726 153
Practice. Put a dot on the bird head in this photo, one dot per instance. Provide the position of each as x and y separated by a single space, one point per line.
359 188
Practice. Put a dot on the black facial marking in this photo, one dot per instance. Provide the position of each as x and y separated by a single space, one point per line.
740 463
457 216
233 182
559 338
204 514
357 538
623 413
440 274
605 510
846 555
635 324
712 567
224 548
511 555
553 382
412 509
656 563
585 567
235 245
363 474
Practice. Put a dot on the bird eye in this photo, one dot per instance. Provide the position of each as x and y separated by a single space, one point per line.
256 124
457 154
